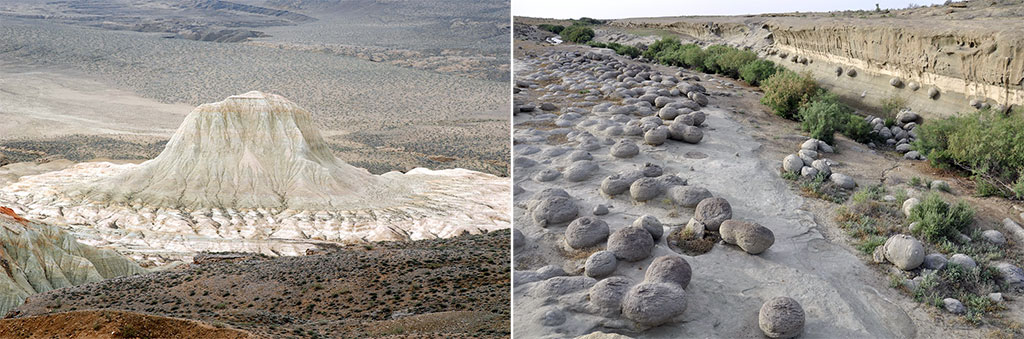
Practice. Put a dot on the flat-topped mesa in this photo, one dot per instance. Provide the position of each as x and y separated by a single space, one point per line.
248 151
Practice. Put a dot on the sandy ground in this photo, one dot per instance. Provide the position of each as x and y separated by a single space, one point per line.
842 295
38 104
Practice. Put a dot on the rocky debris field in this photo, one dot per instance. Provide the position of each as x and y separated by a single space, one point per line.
627 175
442 287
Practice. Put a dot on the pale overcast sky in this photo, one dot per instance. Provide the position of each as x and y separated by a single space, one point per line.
612 9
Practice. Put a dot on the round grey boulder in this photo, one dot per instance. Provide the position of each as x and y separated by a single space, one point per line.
631 244
656 136
518 238
651 224
585 232
645 189
669 269
909 204
698 118
600 264
625 149
851 72
651 170
843 180
994 237
651 304
688 196
954 306
934 261
823 167
580 170
895 82
792 163
712 212
546 174
964 261
600 209
607 294
904 251
781 317
616 184
553 210
699 98
750 237
933 93
668 113
913 86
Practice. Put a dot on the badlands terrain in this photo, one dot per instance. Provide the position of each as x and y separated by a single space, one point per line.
652 201
398 85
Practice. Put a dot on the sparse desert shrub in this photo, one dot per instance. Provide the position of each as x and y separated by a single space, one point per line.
857 129
939 220
621 49
892 105
597 44
551 28
786 91
757 71
823 116
987 144
577 33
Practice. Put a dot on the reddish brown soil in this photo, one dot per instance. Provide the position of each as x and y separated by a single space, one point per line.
112 324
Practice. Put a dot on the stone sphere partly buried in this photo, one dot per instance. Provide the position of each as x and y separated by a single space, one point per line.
651 304
669 269
750 237
781 317
600 264
631 244
585 232
712 212
607 294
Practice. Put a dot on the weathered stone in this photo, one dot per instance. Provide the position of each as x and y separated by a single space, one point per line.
781 317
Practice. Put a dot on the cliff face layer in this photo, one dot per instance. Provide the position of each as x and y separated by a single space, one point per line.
966 54
38 257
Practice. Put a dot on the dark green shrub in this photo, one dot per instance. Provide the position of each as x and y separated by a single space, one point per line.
711 56
786 91
692 55
939 220
757 71
660 47
731 60
597 44
577 33
551 28
857 129
823 116
987 144
589 21
892 105
621 49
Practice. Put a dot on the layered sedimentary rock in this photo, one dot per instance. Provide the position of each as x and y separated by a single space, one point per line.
252 173
38 257
964 54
